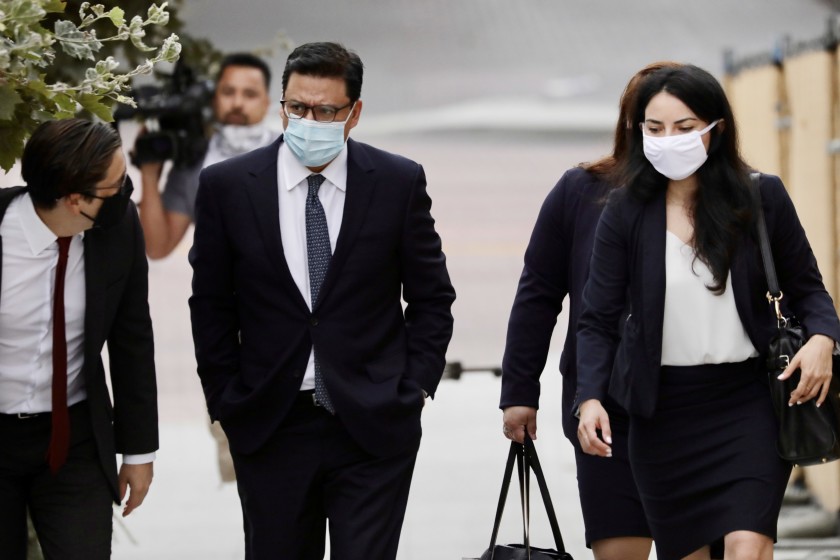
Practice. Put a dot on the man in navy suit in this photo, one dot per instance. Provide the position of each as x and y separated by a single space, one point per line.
303 251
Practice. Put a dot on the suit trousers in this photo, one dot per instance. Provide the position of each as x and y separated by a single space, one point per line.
311 472
71 510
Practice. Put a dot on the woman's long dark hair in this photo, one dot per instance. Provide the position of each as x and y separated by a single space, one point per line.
722 208
605 167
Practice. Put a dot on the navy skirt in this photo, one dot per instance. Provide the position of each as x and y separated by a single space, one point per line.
609 499
706 462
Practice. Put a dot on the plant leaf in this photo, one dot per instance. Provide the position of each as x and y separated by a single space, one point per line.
92 104
8 99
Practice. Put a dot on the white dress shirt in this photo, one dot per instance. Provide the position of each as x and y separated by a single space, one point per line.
699 327
30 257
293 187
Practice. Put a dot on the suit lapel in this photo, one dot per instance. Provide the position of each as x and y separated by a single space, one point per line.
360 186
743 284
261 186
652 239
94 294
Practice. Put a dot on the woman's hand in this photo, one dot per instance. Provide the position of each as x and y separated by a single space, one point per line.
594 418
516 420
814 359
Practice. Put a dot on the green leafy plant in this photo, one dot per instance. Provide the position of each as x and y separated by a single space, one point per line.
28 51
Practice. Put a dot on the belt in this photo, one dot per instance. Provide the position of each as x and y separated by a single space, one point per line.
23 415
307 398
14 416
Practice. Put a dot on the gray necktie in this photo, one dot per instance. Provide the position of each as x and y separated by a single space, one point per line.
318 254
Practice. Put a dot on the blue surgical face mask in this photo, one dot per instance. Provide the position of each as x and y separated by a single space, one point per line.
315 143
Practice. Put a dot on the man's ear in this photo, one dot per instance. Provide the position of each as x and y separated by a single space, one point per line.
71 202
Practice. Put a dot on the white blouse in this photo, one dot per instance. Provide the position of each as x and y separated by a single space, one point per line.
699 327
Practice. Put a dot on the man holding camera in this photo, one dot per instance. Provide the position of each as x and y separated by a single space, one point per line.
240 104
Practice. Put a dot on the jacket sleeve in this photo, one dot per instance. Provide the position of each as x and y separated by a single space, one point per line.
539 299
604 299
796 267
131 355
213 313
427 290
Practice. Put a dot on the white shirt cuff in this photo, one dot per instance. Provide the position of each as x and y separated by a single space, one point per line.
139 459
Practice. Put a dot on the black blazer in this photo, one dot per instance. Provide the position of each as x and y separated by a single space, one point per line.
116 312
629 252
252 328
556 265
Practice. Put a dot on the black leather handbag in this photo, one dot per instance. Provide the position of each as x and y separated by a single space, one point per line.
525 456
808 435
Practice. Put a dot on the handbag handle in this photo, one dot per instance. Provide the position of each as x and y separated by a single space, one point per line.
531 457
774 294
526 458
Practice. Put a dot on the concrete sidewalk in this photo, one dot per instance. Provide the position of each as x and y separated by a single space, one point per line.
190 514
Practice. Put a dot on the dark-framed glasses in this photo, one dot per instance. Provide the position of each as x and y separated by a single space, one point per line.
320 113
125 186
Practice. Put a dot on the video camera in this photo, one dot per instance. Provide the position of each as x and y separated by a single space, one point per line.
176 114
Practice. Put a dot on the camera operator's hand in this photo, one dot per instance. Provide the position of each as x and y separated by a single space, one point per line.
162 229
151 171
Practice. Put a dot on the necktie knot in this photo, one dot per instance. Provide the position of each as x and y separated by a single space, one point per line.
315 181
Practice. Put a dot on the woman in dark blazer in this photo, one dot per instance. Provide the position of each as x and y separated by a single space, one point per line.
557 265
678 246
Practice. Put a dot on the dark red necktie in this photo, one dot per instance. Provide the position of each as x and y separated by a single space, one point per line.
60 439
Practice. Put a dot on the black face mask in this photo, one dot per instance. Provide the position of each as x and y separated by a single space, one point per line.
113 207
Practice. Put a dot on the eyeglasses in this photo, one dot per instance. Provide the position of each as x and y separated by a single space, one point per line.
123 186
321 113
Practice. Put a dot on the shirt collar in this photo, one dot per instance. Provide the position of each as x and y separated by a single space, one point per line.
38 236
295 172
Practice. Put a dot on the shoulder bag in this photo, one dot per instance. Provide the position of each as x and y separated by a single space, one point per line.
808 435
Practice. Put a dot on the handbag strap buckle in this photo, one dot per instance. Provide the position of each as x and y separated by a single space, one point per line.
774 300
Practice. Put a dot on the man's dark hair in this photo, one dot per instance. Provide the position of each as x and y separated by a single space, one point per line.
326 60
246 59
67 156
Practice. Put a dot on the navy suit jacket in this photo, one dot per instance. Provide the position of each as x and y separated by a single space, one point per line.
253 330
556 265
629 255
116 312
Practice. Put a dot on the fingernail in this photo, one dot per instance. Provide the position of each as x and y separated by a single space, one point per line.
779 376
798 402
790 404
819 404
608 440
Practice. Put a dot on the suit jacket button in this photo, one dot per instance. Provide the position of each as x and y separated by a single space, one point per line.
313 321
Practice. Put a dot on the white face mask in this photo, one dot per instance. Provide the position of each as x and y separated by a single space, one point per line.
677 156
230 140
